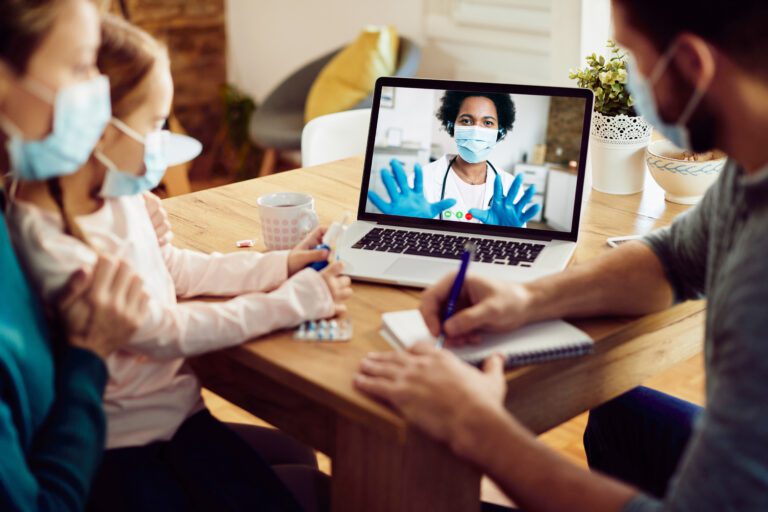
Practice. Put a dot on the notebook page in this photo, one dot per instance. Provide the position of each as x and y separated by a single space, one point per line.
406 328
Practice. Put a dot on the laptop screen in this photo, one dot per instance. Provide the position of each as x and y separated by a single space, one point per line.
486 158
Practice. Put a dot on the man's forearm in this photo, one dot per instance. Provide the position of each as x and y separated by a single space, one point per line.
532 475
628 280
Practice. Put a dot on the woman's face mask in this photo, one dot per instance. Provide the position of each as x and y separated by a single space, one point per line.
122 183
80 114
475 143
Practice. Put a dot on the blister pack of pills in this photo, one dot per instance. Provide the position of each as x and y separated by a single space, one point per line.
324 330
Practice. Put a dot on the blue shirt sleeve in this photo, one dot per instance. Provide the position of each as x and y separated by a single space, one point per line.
56 472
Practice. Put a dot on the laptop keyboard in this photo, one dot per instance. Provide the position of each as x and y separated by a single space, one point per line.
441 245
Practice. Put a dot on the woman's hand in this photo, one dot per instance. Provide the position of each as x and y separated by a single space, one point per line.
102 309
159 218
434 389
340 286
483 305
504 211
404 200
305 253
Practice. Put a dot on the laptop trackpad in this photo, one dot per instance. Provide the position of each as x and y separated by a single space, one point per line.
416 268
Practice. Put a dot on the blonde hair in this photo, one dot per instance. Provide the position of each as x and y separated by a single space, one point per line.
127 56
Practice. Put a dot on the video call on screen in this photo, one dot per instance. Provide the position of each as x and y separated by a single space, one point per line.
460 157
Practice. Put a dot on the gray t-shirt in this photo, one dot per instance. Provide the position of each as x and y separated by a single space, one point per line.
719 250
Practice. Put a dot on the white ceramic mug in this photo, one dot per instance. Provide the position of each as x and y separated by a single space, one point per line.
286 218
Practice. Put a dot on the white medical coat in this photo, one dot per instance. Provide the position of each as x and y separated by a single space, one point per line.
434 173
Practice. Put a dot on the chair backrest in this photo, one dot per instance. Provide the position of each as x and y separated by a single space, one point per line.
291 94
335 136
408 60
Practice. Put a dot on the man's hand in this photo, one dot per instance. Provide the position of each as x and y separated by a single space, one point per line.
435 390
304 253
103 309
483 305
159 218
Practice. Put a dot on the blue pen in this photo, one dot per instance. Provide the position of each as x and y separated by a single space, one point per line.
453 298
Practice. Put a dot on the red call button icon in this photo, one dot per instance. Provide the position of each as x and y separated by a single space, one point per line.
468 216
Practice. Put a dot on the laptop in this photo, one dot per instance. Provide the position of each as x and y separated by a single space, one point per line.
438 154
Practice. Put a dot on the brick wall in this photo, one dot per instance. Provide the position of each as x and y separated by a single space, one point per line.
566 117
195 33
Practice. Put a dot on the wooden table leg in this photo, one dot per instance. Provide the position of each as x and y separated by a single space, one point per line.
268 162
376 474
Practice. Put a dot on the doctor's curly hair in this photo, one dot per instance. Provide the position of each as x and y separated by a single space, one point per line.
452 100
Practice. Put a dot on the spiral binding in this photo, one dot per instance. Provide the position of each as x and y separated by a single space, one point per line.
544 356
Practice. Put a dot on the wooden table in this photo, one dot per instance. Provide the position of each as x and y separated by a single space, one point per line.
379 463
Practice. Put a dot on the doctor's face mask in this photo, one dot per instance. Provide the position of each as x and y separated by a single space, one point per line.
474 143
476 129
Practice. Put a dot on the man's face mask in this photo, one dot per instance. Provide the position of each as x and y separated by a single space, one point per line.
641 89
80 114
120 183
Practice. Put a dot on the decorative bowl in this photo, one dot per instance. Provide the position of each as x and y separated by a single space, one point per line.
684 181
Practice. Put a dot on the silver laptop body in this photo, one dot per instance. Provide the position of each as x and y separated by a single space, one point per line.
409 251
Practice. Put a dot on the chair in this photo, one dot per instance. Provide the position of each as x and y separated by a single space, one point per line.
335 136
277 124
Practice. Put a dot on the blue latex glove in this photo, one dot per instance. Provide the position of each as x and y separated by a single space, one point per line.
404 200
504 211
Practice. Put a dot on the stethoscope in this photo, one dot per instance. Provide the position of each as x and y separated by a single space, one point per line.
445 179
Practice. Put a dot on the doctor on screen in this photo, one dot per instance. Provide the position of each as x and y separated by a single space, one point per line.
467 186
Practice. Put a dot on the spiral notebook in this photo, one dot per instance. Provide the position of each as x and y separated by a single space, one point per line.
535 343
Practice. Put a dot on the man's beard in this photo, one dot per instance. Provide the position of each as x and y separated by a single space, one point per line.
703 128
703 124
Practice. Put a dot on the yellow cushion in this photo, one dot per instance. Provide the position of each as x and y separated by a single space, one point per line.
349 77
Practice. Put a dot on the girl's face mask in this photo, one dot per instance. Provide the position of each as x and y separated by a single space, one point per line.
80 114
118 182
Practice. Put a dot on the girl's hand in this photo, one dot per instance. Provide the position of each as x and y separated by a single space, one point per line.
340 286
304 253
159 218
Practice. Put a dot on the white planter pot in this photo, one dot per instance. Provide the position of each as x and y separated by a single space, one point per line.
617 153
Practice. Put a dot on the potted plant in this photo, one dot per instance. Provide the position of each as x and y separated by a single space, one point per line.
619 136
